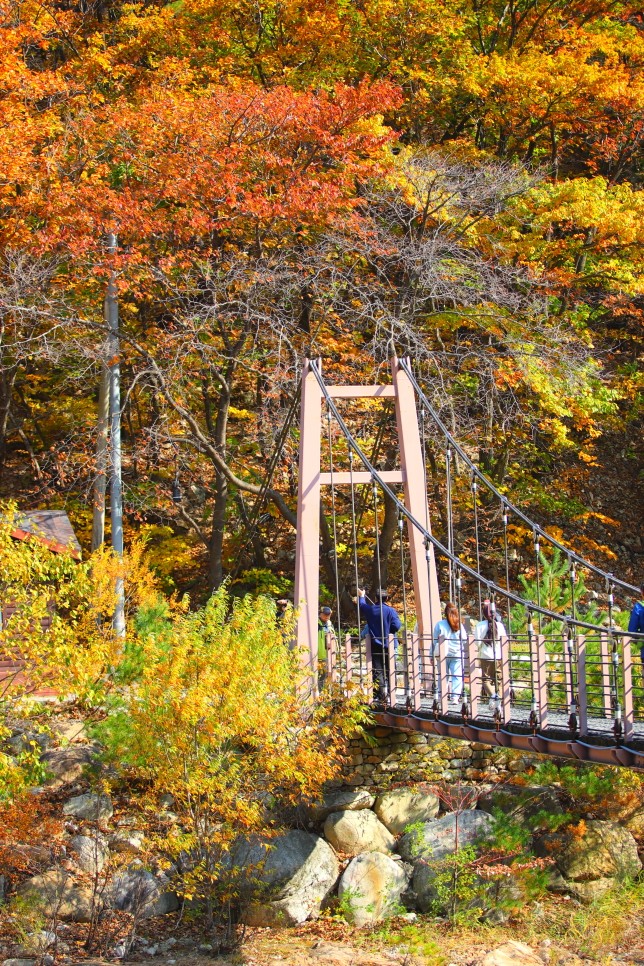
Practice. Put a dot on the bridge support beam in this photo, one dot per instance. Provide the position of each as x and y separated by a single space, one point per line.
307 549
423 564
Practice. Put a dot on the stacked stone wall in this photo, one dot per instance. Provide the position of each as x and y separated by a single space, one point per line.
387 756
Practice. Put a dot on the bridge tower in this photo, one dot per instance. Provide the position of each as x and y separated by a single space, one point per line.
411 474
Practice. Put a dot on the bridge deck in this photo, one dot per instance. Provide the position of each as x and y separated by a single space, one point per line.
561 719
597 745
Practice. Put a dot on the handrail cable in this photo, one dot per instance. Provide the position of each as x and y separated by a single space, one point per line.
251 523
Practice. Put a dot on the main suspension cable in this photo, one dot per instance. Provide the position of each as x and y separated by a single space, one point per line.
511 506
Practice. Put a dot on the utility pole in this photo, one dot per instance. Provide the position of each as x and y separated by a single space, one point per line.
102 431
116 491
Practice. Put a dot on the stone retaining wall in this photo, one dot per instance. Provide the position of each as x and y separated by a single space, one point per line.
387 756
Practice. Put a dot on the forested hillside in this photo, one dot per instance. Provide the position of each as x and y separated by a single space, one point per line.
458 181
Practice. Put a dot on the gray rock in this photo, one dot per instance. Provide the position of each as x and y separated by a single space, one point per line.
585 892
69 730
43 939
588 865
141 893
19 962
304 870
57 895
439 838
67 765
500 898
340 800
16 744
635 825
401 807
37 942
355 832
371 887
127 840
512 954
90 807
91 852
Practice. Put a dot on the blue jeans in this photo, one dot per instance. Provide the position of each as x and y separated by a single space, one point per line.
454 677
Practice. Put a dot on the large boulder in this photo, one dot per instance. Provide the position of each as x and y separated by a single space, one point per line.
635 825
57 896
588 862
66 765
68 730
89 807
512 954
298 871
441 837
127 840
141 893
371 887
91 852
401 807
356 832
339 800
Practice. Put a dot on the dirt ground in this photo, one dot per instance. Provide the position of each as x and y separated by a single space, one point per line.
415 944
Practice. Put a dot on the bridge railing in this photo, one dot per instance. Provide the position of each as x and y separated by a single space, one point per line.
583 685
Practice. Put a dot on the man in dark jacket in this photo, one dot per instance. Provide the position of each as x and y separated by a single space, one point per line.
382 620
636 623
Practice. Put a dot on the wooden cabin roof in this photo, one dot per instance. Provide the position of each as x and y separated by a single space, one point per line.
51 527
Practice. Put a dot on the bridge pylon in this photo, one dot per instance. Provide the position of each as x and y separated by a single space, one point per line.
311 478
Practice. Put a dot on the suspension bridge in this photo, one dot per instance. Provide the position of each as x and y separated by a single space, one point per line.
565 677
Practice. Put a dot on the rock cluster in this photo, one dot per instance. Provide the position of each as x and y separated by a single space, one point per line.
376 853
78 891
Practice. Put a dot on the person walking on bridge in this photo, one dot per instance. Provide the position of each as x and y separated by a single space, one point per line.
488 634
382 621
450 638
636 624
325 627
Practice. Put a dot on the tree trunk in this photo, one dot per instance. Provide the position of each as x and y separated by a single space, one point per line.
218 430
216 544
7 381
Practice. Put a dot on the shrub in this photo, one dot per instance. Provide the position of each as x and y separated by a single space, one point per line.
211 715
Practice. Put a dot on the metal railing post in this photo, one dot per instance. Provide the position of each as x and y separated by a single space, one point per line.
476 678
627 659
582 687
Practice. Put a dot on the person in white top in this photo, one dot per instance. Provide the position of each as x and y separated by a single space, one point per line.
488 633
450 640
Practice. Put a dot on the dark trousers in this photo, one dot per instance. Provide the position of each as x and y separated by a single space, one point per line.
490 670
379 672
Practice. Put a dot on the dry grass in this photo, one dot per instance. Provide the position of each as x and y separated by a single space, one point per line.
610 930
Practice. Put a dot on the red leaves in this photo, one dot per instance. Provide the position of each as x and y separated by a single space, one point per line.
177 174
